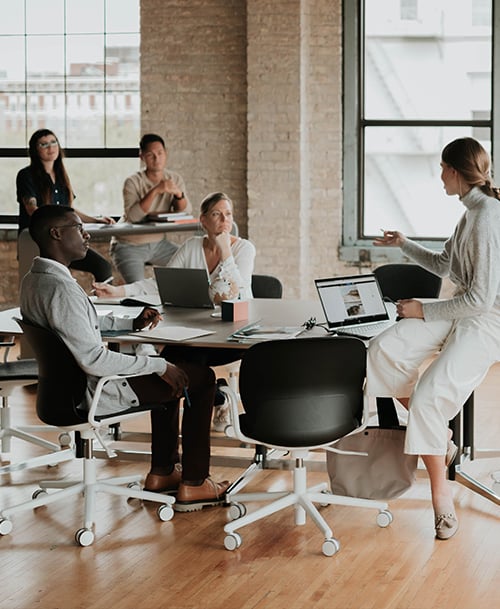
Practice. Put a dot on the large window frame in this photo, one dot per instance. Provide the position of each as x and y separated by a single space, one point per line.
103 151
356 248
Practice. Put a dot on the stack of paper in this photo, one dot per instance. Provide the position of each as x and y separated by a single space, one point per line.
168 333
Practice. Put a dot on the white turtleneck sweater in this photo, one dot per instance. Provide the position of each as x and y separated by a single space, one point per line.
471 259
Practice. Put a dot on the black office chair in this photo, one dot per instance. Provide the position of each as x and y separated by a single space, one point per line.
21 373
266 286
61 388
398 281
299 395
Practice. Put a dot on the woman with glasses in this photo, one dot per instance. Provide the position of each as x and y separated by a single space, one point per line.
229 262
45 182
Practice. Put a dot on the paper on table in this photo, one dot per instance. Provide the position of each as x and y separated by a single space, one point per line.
257 332
173 333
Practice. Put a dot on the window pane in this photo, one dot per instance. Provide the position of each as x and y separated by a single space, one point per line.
122 16
98 183
122 122
402 184
122 61
85 119
12 17
84 17
45 17
85 61
12 67
435 67
45 63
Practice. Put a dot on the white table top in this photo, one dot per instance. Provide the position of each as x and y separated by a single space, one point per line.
270 312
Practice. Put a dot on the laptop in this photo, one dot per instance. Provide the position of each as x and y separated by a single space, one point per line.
183 287
353 305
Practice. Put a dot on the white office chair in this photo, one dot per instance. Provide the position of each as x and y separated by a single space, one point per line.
21 373
61 387
299 395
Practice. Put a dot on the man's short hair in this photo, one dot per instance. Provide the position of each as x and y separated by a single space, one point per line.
149 138
43 219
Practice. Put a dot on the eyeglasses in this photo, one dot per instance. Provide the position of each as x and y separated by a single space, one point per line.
77 225
48 144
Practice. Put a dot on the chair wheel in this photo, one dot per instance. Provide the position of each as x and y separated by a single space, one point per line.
237 510
165 512
330 547
38 492
384 518
64 439
5 526
232 541
84 537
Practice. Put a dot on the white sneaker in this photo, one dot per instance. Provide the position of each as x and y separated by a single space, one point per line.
221 417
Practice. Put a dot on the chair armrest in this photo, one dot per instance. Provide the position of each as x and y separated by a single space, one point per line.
97 396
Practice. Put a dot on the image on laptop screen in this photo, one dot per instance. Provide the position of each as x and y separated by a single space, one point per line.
352 300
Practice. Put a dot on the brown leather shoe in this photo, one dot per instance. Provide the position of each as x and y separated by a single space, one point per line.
192 498
157 483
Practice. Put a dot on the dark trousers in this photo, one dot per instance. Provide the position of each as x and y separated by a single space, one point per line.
196 419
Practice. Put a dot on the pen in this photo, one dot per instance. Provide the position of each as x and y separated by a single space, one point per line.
186 397
108 280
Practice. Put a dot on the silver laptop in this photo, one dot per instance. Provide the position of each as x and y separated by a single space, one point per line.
183 287
353 305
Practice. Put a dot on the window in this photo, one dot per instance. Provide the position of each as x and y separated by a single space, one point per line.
72 67
417 75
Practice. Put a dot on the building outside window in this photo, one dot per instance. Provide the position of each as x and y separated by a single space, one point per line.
417 75
72 67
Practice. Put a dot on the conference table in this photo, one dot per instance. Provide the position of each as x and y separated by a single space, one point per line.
274 313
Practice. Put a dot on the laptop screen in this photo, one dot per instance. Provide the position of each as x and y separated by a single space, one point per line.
179 287
353 300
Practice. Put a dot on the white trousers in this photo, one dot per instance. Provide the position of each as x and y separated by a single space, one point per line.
464 349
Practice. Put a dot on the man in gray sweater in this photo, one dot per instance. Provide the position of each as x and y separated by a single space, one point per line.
51 298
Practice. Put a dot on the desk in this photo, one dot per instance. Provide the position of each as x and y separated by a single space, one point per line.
270 311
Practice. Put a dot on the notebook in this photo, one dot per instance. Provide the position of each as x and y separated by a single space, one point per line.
353 305
183 287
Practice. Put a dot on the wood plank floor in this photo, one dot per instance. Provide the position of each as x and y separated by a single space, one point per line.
137 562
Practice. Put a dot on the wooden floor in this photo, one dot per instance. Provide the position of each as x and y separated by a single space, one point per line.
137 562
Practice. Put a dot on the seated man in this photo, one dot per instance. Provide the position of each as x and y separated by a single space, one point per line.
50 298
152 190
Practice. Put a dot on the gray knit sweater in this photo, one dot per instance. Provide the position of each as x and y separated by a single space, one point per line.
471 259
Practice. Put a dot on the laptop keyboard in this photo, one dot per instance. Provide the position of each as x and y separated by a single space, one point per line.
367 331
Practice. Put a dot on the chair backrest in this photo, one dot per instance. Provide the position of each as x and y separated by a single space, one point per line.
302 392
61 381
266 286
407 281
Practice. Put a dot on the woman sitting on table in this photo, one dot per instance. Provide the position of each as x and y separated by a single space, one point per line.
229 261
463 330
45 182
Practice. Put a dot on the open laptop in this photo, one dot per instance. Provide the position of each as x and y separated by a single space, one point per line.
353 305
183 287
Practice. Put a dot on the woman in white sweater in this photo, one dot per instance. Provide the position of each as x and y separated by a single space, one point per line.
463 330
229 260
